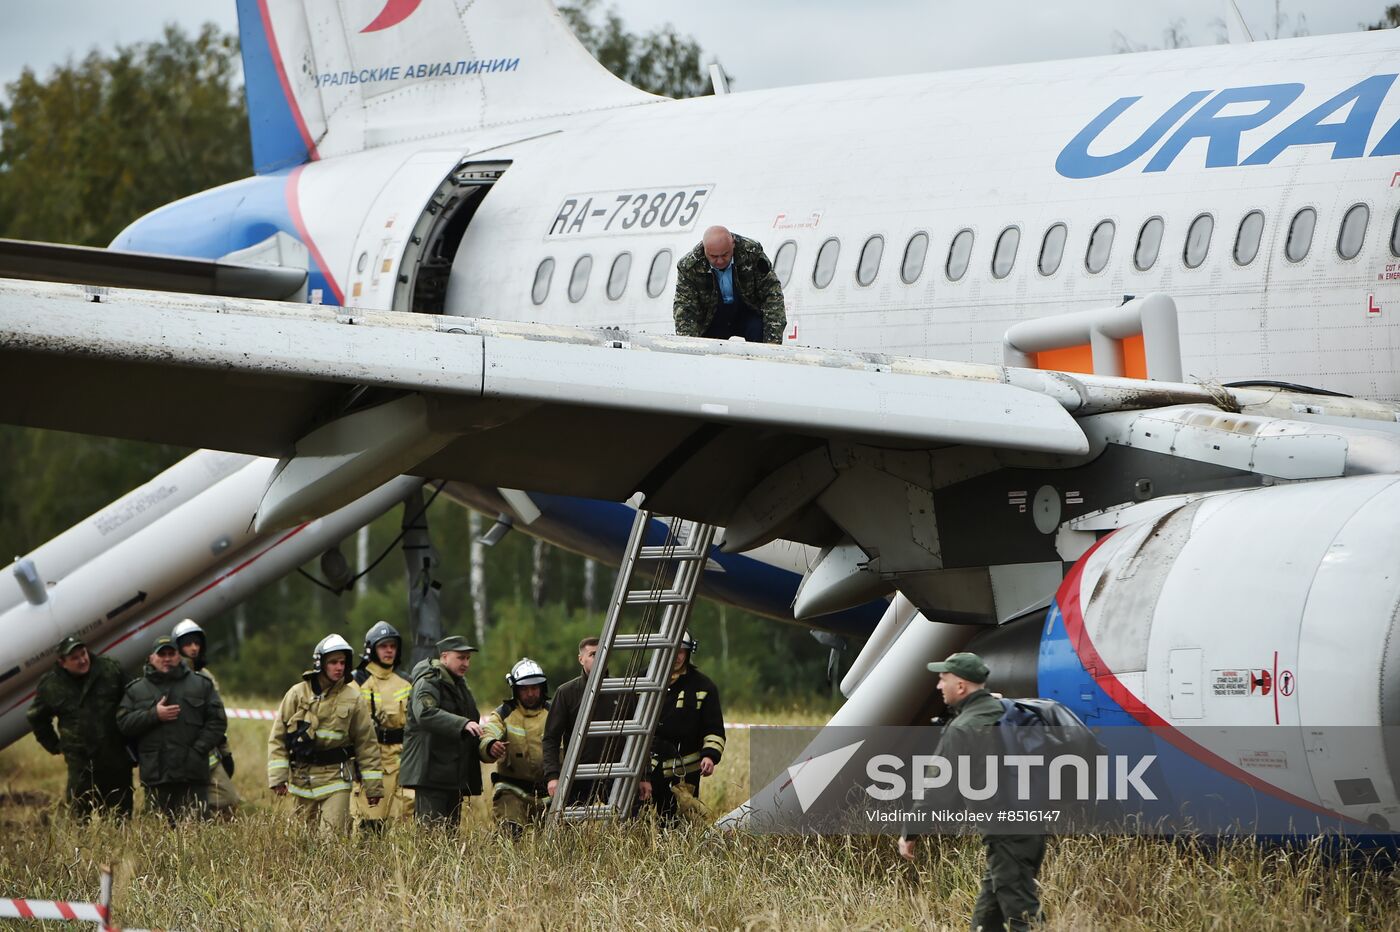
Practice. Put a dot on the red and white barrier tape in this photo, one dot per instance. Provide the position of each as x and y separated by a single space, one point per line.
52 909
268 715
265 715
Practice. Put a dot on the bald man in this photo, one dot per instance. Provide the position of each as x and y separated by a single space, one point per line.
725 287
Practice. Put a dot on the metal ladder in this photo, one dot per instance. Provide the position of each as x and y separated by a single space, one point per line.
667 573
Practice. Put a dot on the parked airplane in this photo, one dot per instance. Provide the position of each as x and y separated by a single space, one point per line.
960 412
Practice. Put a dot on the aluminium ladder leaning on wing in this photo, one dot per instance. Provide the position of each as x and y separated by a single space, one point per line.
668 573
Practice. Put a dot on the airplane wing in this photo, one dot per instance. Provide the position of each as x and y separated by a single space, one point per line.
923 472
592 413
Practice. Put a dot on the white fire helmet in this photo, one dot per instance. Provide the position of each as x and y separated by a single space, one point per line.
185 629
527 673
689 643
330 644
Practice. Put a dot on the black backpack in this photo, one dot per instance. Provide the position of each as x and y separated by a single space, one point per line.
1048 728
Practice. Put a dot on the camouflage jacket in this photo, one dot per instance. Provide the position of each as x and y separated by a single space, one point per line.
86 709
697 291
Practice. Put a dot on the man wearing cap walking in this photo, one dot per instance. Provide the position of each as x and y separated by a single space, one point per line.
177 720
1008 896
440 746
322 740
82 692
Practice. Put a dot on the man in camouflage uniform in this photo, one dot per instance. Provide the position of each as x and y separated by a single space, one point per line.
83 692
1009 896
322 734
513 736
386 694
726 287
223 798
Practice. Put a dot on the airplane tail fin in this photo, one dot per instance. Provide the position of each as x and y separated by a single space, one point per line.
330 77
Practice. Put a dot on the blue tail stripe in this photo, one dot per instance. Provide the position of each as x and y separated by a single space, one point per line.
279 141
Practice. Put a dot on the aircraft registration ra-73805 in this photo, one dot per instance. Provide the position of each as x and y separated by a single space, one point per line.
1092 365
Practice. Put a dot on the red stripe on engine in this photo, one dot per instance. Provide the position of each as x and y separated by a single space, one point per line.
1073 616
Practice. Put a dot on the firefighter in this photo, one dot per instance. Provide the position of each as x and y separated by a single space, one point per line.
689 740
322 735
513 736
385 692
193 646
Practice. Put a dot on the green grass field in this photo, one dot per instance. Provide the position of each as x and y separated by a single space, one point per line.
259 872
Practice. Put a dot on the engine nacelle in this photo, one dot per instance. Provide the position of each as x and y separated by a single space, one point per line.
1256 632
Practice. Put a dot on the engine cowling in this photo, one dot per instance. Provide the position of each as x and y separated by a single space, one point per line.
1255 631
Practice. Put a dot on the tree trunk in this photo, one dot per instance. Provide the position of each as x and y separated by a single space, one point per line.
362 560
537 572
480 607
590 586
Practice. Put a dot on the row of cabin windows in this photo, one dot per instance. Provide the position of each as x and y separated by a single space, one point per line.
1351 236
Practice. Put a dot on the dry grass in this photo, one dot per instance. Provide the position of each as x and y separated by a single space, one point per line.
258 872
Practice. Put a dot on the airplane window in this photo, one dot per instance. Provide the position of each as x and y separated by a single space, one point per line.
959 255
783 261
1052 249
1353 231
1100 246
914 255
869 265
543 275
1300 233
825 268
578 282
1247 239
1149 244
660 271
617 278
1395 236
1004 256
1198 240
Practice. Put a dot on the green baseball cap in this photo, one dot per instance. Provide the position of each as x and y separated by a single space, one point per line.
454 642
161 642
69 644
968 666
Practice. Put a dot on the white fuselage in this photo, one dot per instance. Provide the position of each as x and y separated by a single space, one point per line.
935 155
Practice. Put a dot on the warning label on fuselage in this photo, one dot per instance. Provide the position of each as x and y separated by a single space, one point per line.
1241 681
1229 682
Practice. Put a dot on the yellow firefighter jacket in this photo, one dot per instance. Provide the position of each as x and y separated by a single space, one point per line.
318 739
385 695
521 771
